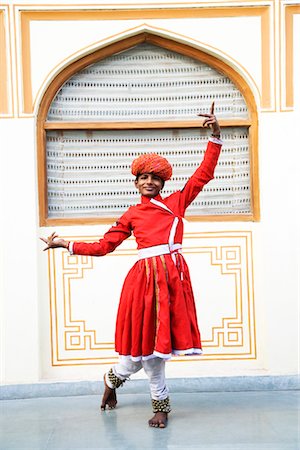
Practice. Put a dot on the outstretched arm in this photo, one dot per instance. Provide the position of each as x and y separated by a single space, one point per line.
111 239
53 241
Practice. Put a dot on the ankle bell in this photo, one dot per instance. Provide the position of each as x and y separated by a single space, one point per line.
161 405
115 381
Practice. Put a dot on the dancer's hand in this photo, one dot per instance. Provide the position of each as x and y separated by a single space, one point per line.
53 241
211 121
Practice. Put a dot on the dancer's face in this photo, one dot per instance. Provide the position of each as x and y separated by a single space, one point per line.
149 184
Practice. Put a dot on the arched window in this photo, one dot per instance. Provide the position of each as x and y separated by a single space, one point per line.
142 95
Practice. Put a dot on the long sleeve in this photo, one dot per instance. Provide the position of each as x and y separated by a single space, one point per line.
202 175
111 239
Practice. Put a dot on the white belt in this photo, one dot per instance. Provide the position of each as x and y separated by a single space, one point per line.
158 250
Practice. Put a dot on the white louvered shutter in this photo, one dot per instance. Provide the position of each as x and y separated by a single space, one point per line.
88 171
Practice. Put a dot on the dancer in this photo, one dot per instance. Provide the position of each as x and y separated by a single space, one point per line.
157 315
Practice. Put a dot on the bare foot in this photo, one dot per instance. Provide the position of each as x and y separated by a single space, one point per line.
109 397
159 420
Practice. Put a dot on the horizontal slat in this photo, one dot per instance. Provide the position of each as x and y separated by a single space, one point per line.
146 83
88 172
139 125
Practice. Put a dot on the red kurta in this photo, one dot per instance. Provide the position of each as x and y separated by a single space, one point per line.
157 314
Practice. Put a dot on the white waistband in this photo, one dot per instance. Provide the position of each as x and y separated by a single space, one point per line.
157 250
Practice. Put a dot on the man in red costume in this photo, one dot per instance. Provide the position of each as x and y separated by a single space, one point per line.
157 315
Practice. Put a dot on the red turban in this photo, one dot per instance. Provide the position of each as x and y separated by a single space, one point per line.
152 163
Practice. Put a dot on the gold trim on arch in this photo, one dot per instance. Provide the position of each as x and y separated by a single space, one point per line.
289 12
199 11
237 333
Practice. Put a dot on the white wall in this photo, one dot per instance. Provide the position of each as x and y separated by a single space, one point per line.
27 286
19 289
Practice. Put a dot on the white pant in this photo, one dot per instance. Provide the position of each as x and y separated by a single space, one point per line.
154 368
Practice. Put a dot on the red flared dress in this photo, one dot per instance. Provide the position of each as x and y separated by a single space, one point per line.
157 314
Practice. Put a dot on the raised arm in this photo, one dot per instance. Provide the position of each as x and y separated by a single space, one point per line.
211 122
205 172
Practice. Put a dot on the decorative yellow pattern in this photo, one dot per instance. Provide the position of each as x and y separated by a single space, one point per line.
209 10
229 321
229 261
77 335
277 93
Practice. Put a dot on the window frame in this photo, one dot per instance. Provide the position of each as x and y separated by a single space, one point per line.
43 125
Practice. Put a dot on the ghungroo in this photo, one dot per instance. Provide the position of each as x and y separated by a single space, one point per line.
115 381
161 405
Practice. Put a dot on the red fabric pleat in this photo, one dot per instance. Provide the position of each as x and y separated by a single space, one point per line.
157 309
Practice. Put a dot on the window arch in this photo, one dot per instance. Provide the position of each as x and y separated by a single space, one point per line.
143 94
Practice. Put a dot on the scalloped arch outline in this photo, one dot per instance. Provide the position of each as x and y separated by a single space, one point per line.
147 31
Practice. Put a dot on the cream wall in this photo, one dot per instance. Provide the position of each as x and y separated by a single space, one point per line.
263 256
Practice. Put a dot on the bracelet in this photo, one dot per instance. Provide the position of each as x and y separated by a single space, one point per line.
216 135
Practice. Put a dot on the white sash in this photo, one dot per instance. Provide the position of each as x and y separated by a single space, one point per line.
157 250
163 249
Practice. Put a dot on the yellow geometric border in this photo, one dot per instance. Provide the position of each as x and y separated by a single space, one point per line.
202 11
230 323
74 271
228 334
229 265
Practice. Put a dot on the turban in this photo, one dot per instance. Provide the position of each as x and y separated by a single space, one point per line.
152 163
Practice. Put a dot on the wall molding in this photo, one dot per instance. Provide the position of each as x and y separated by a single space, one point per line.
287 13
25 16
176 385
6 79
277 40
